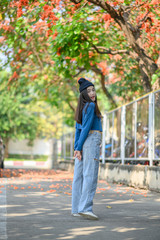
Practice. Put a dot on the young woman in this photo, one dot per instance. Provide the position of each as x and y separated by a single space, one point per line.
86 151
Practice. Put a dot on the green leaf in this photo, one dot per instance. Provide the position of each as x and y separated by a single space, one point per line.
154 78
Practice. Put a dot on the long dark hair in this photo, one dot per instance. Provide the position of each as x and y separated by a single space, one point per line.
83 99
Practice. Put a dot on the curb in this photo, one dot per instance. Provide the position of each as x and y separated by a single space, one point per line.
28 164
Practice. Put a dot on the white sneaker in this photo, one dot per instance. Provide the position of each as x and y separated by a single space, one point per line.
76 215
89 215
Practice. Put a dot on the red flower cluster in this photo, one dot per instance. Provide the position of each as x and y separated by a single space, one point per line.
106 17
7 28
48 33
59 51
35 76
14 76
24 2
49 14
20 4
104 67
76 7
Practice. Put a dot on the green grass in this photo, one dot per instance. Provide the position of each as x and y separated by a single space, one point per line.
25 157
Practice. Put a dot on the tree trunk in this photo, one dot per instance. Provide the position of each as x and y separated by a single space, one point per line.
146 78
146 64
6 143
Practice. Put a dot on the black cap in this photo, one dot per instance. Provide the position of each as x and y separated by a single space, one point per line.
84 83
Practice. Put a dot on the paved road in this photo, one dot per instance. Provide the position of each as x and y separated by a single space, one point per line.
37 205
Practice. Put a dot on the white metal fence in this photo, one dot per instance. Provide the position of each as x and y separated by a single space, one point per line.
131 133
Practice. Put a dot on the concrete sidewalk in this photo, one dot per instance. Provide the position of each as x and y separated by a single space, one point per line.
37 205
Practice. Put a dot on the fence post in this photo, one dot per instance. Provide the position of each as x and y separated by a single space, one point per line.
103 138
112 144
135 130
150 130
123 133
153 132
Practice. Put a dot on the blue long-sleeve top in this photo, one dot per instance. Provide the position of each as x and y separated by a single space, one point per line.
90 121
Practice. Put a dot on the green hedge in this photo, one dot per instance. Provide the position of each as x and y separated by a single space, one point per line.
23 157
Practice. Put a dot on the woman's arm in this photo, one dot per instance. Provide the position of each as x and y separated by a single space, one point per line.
77 135
77 153
86 126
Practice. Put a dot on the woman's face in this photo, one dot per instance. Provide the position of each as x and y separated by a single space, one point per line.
91 93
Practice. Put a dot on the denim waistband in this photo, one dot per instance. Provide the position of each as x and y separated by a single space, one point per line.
92 131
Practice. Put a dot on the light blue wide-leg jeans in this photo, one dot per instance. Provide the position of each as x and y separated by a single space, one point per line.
86 174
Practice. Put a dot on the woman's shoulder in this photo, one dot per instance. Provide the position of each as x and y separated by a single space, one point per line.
89 105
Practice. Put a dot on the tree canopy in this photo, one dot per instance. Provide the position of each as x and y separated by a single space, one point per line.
49 44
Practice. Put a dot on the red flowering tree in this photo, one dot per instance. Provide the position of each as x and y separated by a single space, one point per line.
138 22
118 40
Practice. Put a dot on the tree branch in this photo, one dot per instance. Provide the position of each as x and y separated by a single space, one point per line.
80 70
36 54
76 1
143 20
109 51
105 50
82 6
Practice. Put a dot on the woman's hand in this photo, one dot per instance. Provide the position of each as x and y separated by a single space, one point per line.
75 153
78 154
